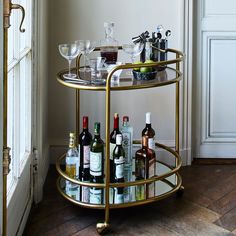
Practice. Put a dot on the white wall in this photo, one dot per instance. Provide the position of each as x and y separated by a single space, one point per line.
41 93
83 19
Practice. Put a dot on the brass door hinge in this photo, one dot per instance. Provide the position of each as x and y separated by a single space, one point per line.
6 160
8 6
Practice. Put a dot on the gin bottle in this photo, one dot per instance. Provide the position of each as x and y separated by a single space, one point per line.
127 143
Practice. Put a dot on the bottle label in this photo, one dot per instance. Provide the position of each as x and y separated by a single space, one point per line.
96 163
119 167
127 147
72 190
95 196
119 197
86 156
85 193
112 147
111 195
151 143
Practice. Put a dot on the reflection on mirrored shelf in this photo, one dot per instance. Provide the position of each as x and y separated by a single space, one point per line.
96 196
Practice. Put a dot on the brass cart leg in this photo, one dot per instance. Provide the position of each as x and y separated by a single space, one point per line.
104 227
180 191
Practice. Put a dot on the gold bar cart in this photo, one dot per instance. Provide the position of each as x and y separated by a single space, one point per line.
167 177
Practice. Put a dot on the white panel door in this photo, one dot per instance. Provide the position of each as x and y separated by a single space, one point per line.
215 100
19 127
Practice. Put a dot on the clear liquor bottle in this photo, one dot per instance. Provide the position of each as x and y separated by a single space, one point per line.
85 139
72 168
119 161
145 167
96 166
109 45
149 132
127 143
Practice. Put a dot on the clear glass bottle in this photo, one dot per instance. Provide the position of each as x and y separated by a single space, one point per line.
96 166
85 139
149 131
119 161
127 143
145 167
109 45
72 168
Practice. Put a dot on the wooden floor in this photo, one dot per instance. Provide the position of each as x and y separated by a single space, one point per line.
208 207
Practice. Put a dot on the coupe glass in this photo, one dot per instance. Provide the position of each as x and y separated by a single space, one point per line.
133 50
69 51
85 47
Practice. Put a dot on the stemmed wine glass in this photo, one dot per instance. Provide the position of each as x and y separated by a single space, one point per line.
133 49
69 51
85 47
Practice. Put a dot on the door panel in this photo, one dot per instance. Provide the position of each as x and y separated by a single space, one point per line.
215 127
20 113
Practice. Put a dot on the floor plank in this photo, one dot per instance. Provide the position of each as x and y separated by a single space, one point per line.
208 207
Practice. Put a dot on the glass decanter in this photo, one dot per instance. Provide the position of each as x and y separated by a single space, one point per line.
109 45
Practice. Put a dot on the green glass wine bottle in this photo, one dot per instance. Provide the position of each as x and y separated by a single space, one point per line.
96 166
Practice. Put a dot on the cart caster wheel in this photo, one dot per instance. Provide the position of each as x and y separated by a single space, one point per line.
102 228
180 192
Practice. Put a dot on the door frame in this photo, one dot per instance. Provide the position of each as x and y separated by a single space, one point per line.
186 89
1 115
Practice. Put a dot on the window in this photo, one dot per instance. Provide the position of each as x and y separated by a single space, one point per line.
19 93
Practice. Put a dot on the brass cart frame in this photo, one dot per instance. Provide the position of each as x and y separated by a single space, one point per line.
102 227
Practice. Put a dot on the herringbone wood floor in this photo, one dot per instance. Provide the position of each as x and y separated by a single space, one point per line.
208 207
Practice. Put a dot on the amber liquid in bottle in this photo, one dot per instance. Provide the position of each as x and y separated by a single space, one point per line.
145 167
149 132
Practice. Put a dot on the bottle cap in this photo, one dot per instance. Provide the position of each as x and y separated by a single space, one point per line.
72 135
125 118
85 121
118 139
148 118
97 127
116 115
109 24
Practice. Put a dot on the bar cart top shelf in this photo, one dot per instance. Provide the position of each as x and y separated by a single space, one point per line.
163 77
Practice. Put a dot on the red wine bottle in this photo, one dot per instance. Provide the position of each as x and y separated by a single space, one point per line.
113 134
85 139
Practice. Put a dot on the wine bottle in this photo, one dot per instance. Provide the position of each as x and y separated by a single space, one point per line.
149 131
127 143
85 139
72 168
119 161
113 134
145 167
96 166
